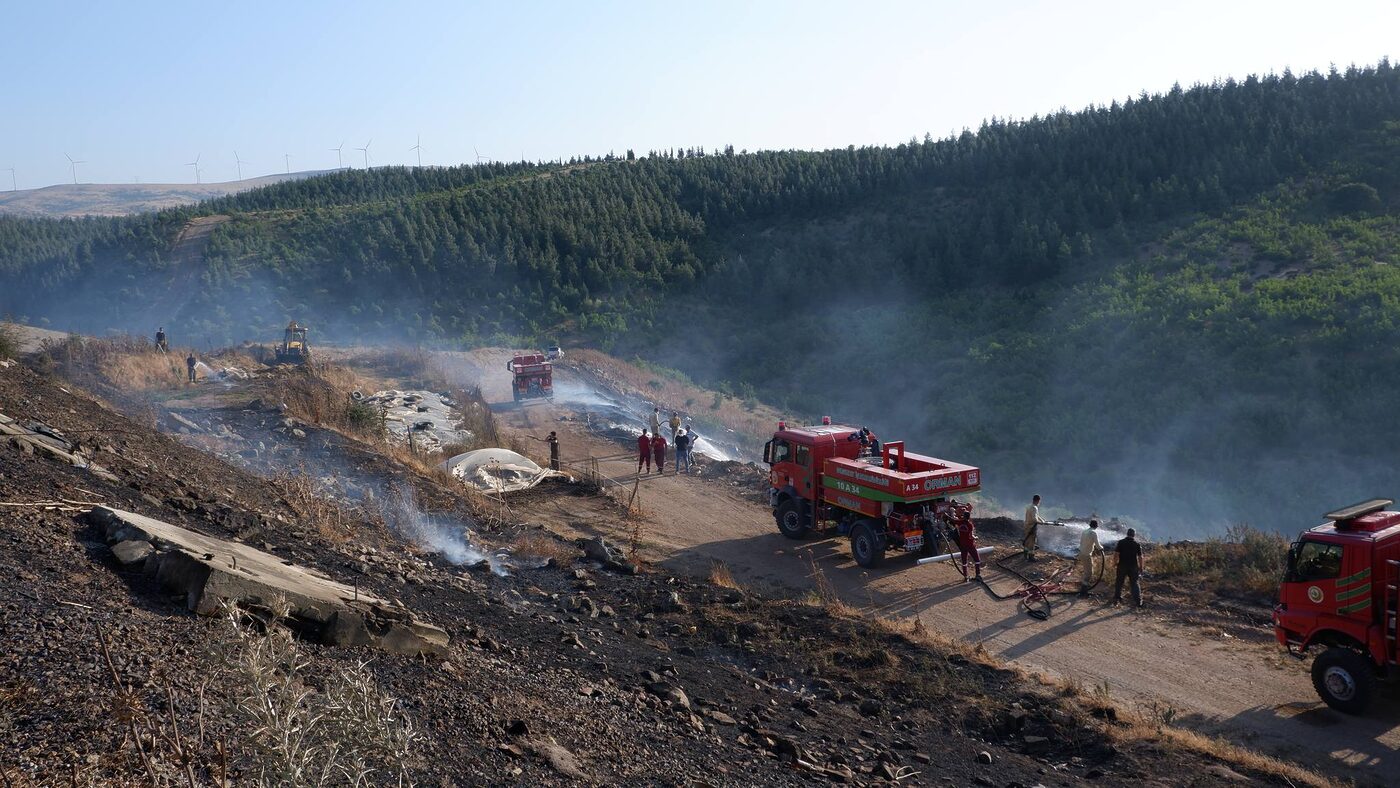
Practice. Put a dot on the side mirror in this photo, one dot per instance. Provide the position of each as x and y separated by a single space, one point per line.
768 452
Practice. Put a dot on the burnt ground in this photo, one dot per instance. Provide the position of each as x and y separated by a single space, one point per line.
640 679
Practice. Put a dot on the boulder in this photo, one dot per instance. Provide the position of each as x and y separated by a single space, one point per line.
132 552
608 554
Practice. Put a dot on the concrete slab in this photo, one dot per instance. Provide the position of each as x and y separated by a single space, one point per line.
210 572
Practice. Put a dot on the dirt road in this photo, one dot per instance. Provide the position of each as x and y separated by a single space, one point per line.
1247 692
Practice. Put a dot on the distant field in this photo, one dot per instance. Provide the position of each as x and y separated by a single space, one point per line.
121 199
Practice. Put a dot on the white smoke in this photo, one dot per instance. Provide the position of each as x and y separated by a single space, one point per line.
446 536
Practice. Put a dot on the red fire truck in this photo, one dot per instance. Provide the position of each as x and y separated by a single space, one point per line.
824 479
533 376
1340 593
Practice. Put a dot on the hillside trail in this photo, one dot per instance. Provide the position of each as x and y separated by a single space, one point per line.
186 263
1247 692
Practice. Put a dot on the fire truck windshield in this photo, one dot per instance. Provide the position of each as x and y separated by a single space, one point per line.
1314 561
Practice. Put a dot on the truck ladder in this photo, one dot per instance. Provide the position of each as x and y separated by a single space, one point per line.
1392 610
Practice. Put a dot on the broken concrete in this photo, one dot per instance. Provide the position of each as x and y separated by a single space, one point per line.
211 572
33 436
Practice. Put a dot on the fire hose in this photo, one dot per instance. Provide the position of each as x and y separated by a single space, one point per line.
1035 595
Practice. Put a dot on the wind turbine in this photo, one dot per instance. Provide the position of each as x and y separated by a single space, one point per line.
14 187
195 165
287 160
365 150
419 148
479 157
74 165
339 165
241 162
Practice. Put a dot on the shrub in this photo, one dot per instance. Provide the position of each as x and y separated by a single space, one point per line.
9 341
1246 560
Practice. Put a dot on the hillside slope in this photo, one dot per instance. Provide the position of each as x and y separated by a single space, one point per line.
122 199
1177 308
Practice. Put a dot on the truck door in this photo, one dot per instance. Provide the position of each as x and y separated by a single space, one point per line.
1317 568
802 471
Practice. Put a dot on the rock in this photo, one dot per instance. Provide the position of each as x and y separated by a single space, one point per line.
609 555
181 420
719 716
298 433
839 773
984 757
871 708
210 572
517 728
669 692
554 754
132 552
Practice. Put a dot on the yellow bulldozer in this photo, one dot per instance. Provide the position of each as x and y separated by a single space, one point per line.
294 348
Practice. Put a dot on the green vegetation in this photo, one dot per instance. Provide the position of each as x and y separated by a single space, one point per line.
1181 307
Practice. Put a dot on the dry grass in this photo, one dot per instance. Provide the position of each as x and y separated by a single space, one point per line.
323 514
722 577
1232 755
342 733
1245 562
542 544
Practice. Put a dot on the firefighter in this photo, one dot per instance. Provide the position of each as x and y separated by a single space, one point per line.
161 340
1088 548
644 451
675 423
967 544
190 361
658 452
1129 568
553 441
682 452
1032 522
656 421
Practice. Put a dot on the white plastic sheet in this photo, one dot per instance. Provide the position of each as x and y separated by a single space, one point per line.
497 470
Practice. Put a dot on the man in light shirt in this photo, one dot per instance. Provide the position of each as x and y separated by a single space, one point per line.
1088 548
1032 521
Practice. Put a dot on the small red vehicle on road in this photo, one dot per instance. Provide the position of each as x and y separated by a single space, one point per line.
824 480
533 376
1341 592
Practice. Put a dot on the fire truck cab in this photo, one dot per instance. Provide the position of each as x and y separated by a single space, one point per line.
822 479
1340 593
533 376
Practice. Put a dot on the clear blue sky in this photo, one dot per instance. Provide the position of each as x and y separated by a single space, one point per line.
139 89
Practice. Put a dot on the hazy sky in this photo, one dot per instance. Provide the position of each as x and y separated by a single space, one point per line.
139 89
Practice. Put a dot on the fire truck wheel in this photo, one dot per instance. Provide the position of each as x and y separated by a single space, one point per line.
867 546
1344 679
792 519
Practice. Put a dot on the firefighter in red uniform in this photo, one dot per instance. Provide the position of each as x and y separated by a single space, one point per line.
644 451
967 540
658 452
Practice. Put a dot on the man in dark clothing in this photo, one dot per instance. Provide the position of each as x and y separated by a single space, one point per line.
644 451
160 339
682 452
1129 568
189 364
553 441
